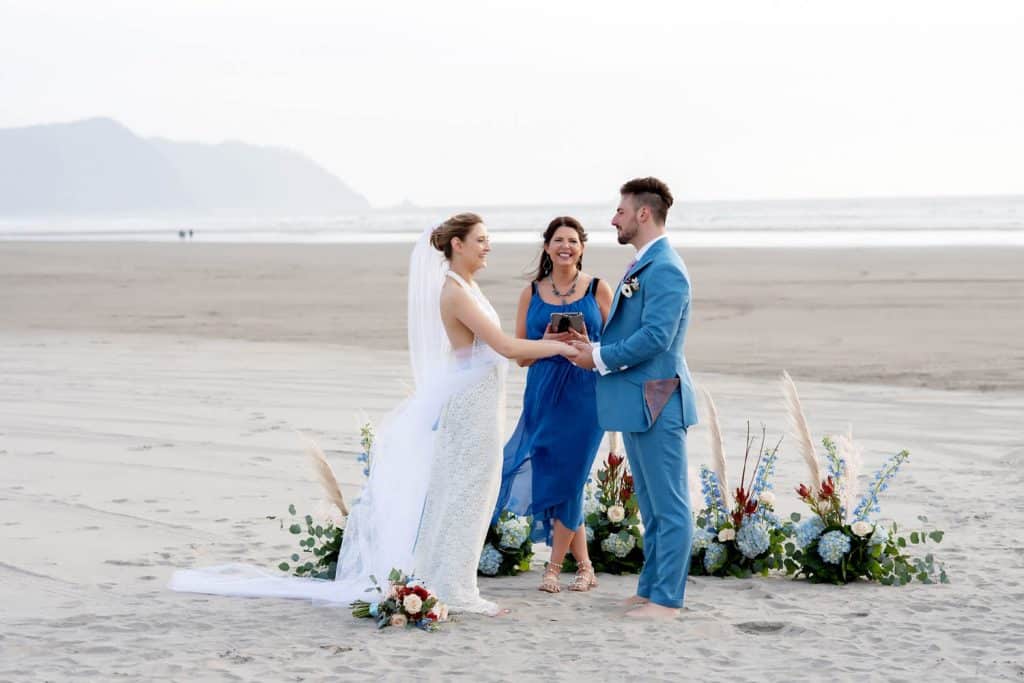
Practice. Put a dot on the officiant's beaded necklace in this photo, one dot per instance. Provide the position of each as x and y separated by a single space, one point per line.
564 295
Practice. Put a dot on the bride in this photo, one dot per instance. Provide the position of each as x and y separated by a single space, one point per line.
437 458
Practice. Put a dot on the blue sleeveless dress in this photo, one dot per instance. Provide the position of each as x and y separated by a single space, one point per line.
548 459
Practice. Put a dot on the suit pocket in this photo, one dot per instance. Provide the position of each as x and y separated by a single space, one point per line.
657 392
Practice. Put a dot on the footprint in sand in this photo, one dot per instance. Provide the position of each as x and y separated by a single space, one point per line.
761 627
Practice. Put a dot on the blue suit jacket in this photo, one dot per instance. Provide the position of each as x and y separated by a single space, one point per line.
643 340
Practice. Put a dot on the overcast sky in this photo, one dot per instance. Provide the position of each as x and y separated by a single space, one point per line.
478 102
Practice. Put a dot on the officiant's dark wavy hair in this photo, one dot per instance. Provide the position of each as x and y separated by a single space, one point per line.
545 265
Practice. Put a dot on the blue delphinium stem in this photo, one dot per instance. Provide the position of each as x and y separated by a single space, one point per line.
879 484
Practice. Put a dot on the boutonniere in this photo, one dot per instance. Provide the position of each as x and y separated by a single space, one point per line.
630 286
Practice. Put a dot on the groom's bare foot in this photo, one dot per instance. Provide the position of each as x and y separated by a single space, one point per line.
634 601
653 611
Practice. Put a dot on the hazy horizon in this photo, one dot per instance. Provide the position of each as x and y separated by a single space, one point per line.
526 103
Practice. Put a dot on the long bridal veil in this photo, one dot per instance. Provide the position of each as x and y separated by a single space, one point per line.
384 521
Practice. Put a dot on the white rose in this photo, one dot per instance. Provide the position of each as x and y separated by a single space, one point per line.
862 528
399 620
412 603
616 513
767 498
824 506
726 534
627 291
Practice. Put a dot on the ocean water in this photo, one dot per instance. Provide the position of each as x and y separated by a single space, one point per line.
903 222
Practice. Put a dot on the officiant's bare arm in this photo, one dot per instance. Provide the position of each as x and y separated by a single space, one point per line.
463 318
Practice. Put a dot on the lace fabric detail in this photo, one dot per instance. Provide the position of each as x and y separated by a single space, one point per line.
464 482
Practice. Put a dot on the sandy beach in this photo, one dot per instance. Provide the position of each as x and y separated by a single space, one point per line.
149 395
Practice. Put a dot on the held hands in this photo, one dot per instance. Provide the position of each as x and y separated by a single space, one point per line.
585 359
569 336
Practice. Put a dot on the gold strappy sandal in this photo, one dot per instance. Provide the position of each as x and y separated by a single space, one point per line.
585 578
549 582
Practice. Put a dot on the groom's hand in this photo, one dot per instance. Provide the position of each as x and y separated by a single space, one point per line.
586 358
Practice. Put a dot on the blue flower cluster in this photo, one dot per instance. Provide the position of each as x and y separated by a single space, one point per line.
752 540
767 517
879 484
365 459
490 560
765 472
702 538
513 531
590 534
712 493
808 531
880 536
619 544
833 546
714 557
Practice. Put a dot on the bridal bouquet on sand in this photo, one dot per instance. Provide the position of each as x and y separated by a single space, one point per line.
839 542
615 539
407 602
737 533
323 532
508 549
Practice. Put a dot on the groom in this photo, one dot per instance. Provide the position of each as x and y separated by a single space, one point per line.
645 391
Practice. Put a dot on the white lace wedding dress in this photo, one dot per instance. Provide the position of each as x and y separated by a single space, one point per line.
435 476
464 482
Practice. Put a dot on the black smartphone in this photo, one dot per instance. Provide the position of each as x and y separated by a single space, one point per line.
562 322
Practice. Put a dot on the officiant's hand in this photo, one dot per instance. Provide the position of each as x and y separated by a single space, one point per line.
550 334
586 358
575 336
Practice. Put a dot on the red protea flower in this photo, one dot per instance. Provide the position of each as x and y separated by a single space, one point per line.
741 496
614 461
827 488
737 518
751 507
803 491
625 493
627 481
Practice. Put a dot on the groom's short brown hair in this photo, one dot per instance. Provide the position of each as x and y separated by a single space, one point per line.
652 193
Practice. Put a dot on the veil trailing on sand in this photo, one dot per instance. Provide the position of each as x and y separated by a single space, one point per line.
384 521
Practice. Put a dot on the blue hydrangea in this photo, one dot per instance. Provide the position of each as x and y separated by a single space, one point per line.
879 484
701 539
714 557
833 546
490 560
590 534
619 544
880 535
590 502
808 531
752 540
513 531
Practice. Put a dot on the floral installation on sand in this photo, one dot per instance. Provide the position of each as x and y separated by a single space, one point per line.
324 531
842 541
507 549
615 539
739 534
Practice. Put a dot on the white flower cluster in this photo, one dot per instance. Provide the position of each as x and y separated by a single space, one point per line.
513 531
619 545
590 502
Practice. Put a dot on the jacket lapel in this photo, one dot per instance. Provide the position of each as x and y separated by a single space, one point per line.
646 260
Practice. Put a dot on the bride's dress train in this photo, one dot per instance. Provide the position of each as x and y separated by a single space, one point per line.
435 476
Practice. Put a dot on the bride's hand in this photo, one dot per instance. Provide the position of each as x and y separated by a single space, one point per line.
568 351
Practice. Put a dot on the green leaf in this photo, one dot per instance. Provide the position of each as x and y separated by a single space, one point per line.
291 510
795 516
284 566
295 557
914 537
295 529
901 542
936 536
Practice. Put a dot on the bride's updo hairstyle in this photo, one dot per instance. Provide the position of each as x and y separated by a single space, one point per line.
459 225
